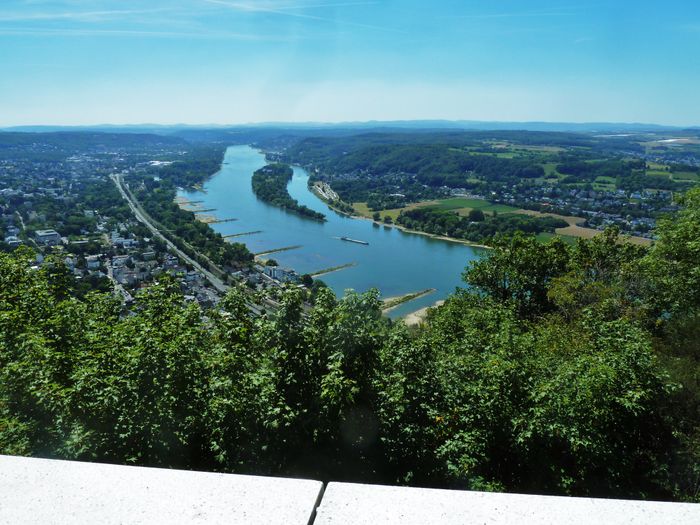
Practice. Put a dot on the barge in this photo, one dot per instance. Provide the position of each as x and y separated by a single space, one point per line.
348 239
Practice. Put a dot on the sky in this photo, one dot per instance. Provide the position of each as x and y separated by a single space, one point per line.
76 62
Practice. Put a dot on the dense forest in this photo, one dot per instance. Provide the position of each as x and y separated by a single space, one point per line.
558 369
475 227
270 185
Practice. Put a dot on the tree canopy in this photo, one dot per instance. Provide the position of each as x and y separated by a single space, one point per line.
559 369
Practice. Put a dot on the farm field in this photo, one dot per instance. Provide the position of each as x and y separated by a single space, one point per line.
363 210
685 176
466 204
461 205
575 230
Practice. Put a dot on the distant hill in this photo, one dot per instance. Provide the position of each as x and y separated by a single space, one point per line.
588 127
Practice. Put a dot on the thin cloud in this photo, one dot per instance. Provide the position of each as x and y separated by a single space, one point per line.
571 10
515 15
82 16
132 33
251 8
319 6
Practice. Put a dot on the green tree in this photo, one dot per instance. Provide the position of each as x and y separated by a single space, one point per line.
476 215
519 271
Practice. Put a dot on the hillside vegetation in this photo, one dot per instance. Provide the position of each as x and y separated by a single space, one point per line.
560 369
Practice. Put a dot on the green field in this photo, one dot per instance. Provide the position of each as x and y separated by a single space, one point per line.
658 173
605 184
550 168
603 187
686 176
606 180
656 166
460 203
362 209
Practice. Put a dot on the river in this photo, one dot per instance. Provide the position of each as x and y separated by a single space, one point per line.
395 262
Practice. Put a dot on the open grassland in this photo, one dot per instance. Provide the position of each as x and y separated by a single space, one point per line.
550 168
658 173
685 176
362 209
575 228
605 184
463 203
656 166
605 180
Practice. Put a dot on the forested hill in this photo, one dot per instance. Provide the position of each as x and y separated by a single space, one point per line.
560 370
65 143
451 158
603 179
323 148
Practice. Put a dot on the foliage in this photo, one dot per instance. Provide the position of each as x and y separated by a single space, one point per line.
270 185
444 222
561 369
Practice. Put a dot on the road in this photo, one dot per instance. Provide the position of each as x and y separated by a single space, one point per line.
21 220
143 217
117 285
146 219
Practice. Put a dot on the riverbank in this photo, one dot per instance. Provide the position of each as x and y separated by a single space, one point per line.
394 225
419 316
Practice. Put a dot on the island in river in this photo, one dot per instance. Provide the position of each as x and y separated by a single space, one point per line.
394 261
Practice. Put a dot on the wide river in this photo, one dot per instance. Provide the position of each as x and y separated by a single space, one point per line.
395 262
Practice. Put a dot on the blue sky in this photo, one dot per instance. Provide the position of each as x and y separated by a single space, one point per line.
231 61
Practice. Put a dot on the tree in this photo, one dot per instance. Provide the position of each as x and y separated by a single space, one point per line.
672 265
376 216
519 271
476 215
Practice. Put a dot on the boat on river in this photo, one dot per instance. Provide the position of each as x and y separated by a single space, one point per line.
348 239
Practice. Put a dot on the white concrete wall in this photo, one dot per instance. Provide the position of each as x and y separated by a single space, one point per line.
345 503
65 492
40 491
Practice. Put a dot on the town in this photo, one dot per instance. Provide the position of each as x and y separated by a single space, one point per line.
67 207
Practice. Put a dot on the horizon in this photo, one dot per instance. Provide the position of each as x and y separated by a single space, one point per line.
418 124
213 62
